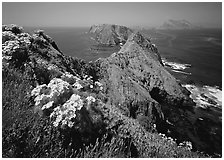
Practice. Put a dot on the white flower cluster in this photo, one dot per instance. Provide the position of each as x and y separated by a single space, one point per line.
12 42
66 113
52 67
170 139
12 28
53 93
10 46
24 38
91 85
62 98
8 35
186 144
90 99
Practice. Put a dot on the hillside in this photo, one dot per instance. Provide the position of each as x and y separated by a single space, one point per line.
120 106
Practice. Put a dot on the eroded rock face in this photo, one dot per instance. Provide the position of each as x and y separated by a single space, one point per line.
135 75
138 84
107 34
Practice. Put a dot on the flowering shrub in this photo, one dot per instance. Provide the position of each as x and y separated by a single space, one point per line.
8 35
66 113
10 47
12 42
13 28
64 97
15 45
55 92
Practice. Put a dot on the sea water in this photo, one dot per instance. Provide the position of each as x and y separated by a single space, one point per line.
194 57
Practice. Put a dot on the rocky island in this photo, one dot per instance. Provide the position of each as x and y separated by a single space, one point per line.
126 105
110 34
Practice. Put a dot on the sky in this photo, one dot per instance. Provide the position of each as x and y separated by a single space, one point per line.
85 14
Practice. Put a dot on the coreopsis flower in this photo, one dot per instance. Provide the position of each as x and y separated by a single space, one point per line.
52 67
90 99
77 85
66 113
53 93
38 90
10 47
8 35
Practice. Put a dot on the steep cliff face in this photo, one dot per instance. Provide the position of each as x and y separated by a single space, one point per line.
139 65
112 35
138 84
136 80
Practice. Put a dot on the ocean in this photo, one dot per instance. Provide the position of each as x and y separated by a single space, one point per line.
193 57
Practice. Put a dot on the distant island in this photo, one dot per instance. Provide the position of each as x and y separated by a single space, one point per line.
178 25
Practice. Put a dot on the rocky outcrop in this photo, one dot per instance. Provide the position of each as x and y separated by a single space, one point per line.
136 73
138 84
111 35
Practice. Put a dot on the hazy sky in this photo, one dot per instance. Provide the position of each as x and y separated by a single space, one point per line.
75 14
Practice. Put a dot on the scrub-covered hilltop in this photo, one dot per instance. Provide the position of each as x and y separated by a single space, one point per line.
60 106
108 34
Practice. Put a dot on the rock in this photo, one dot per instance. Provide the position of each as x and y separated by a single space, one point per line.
135 75
111 35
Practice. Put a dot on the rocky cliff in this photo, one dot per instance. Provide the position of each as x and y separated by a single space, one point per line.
112 35
136 81
71 104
